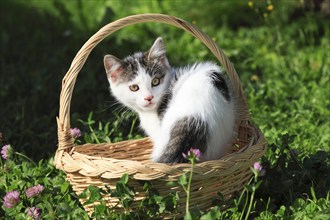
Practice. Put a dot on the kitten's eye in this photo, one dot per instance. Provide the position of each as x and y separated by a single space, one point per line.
134 88
155 82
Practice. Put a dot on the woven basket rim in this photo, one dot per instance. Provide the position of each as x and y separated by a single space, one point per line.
65 141
112 168
227 157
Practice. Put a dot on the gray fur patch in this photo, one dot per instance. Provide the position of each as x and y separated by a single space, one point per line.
164 102
189 132
152 67
220 83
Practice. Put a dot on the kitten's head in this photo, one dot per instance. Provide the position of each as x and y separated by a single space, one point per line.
140 80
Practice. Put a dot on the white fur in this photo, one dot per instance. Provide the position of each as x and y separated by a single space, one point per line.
195 95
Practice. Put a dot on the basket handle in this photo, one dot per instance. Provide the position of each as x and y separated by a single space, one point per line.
68 82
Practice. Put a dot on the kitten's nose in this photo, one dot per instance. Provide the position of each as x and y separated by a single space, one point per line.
149 98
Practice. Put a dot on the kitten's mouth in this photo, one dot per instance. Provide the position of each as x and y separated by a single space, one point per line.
148 105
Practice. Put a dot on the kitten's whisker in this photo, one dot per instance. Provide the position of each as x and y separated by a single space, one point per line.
125 115
110 105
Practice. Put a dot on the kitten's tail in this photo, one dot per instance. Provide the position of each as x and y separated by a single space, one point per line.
188 132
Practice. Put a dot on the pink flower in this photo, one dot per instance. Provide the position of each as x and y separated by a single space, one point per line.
11 199
75 132
257 166
33 212
5 151
196 152
34 191
193 152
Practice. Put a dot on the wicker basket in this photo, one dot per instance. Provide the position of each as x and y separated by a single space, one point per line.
104 164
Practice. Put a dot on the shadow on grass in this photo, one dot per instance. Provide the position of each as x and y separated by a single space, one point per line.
289 177
36 50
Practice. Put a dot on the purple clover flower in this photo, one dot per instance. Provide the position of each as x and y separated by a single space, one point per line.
192 152
75 132
33 212
34 191
11 199
5 151
196 152
257 166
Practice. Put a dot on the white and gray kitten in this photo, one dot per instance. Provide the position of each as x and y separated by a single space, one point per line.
190 107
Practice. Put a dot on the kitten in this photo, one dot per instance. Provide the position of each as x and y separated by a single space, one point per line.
190 107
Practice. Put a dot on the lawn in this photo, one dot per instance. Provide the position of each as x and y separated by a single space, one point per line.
280 50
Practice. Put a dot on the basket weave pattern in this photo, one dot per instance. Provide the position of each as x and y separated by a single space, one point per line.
104 164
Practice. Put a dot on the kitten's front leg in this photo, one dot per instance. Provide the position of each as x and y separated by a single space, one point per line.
150 123
159 148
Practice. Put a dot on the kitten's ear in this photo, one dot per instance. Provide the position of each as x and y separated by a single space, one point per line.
158 52
113 67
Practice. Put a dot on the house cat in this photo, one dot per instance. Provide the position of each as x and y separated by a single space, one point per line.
189 107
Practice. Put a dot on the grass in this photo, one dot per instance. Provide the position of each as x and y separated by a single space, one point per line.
283 61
